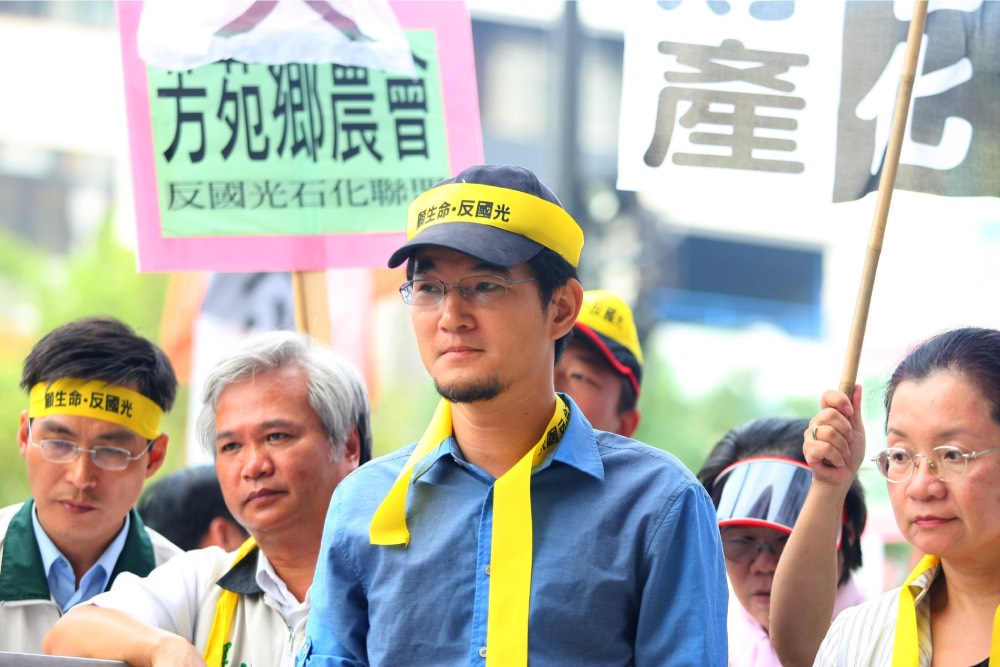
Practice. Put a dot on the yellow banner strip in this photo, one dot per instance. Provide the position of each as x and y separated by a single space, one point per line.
511 544
388 526
905 648
511 551
99 400
225 609
510 210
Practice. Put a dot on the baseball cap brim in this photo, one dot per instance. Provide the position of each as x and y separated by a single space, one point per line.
616 354
489 244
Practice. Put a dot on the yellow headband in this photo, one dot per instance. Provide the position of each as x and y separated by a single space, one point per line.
510 210
99 400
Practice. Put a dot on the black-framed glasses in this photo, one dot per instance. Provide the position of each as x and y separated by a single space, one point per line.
107 458
746 549
946 462
425 292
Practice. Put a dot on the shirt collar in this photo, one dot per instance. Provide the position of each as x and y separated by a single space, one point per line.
577 448
99 573
922 584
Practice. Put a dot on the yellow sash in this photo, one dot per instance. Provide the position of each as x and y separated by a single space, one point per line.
511 545
905 648
225 609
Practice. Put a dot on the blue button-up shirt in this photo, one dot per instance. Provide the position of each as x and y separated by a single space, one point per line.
627 563
59 572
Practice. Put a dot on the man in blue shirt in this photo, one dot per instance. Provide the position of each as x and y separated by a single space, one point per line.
89 438
512 532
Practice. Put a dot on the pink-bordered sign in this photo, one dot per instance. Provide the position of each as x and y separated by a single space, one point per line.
156 253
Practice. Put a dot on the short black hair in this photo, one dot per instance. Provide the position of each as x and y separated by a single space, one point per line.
182 504
776 436
105 349
552 271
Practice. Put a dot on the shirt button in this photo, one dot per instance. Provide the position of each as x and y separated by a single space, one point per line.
482 651
486 570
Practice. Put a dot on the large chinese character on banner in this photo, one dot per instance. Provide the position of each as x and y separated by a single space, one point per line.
794 99
291 166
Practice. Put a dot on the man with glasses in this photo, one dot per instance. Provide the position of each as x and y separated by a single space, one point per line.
89 438
512 531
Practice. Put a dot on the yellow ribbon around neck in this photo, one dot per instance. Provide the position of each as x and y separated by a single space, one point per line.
225 609
511 545
905 648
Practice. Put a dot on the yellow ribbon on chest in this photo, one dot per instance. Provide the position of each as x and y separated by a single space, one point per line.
511 543
906 648
225 609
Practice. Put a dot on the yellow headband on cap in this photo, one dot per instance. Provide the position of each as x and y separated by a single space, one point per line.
99 400
510 210
609 316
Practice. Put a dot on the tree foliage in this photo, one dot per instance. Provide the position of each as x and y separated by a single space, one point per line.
42 291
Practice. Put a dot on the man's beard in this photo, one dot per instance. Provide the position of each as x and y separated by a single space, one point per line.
485 389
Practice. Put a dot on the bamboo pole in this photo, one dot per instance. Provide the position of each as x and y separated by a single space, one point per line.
312 308
887 181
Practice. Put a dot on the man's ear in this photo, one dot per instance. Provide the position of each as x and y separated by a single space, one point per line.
351 453
628 422
566 304
22 434
157 455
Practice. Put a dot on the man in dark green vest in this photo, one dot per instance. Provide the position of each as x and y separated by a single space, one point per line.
89 438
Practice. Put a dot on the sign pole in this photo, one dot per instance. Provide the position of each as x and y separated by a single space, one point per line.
312 311
849 375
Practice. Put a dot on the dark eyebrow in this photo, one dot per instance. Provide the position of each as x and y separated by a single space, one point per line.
268 425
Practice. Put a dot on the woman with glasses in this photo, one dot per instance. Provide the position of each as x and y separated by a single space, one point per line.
758 480
943 431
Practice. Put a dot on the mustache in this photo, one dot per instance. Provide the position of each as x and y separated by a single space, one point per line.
81 498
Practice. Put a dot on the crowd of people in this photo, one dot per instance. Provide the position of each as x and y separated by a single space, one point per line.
525 525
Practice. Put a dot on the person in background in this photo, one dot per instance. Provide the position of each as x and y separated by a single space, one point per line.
601 368
513 532
186 506
287 420
90 437
758 479
941 468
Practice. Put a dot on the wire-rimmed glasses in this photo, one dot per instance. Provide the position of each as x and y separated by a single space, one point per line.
107 458
946 462
425 292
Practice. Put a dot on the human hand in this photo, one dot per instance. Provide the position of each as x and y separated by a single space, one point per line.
834 444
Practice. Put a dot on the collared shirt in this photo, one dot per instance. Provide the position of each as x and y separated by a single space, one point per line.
59 572
270 583
863 636
627 562
27 607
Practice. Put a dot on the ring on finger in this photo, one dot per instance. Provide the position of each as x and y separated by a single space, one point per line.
815 437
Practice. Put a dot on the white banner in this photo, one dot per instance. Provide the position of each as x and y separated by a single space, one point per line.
793 100
182 34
